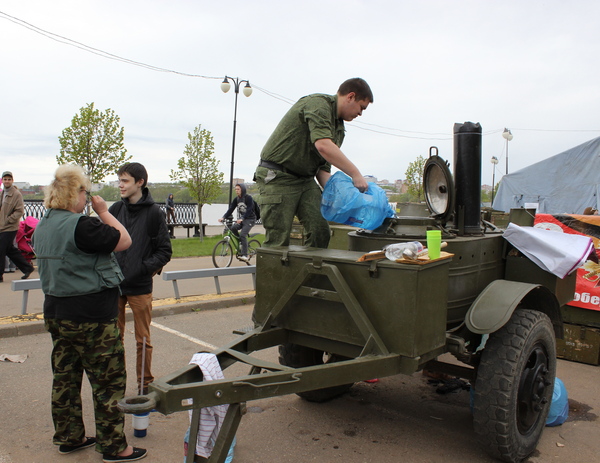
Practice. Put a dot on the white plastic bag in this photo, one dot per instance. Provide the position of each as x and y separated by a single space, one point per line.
556 252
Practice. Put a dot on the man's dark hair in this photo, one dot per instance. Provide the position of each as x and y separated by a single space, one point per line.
136 170
359 87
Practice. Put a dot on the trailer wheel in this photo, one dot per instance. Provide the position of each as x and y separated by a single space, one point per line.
513 390
296 356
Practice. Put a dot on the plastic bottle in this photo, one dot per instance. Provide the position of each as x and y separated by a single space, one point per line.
395 251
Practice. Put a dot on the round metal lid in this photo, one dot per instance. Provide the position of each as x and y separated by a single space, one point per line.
438 186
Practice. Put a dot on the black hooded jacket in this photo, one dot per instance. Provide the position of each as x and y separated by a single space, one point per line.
244 203
150 250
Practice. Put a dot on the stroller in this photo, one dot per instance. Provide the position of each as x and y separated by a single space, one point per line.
23 238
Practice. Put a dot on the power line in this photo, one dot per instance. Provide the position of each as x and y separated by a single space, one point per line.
95 51
359 125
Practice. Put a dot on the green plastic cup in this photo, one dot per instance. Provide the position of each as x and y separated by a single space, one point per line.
434 243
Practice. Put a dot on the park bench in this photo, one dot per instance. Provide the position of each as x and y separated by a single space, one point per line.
185 216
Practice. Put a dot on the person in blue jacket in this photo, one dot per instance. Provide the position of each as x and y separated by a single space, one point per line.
246 218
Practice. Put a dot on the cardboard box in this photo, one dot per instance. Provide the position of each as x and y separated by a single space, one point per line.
581 344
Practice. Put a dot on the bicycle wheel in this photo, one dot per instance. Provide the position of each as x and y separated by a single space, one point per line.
253 245
222 254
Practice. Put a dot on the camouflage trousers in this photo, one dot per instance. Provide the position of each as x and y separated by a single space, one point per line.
283 196
97 349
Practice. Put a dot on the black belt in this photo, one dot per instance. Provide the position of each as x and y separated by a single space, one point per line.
275 166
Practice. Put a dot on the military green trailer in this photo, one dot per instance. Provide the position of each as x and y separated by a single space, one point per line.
338 320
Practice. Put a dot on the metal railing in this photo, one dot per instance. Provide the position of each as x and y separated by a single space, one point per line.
34 208
209 272
25 286
28 285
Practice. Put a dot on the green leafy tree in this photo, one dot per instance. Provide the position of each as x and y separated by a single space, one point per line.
94 141
414 178
109 193
198 170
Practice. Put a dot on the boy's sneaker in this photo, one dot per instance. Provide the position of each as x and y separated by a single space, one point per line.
244 258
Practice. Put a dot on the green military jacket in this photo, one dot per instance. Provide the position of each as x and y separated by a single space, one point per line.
292 143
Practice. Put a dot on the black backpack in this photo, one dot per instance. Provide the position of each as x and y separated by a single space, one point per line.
256 207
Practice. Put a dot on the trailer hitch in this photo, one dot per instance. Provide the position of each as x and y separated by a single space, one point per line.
139 404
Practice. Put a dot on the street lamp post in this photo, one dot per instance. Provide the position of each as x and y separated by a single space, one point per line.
508 136
494 161
225 86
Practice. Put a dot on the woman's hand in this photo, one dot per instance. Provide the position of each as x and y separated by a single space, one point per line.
99 205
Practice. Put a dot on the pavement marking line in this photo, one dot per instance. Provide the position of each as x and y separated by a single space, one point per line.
183 335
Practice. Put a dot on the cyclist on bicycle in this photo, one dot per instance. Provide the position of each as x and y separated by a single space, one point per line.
246 218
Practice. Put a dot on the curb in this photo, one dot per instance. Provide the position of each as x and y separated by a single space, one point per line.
35 324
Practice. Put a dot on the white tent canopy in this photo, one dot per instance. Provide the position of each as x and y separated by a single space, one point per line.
566 183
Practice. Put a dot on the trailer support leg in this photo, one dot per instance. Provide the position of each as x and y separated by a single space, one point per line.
224 439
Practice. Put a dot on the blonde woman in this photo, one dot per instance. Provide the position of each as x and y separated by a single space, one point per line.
80 279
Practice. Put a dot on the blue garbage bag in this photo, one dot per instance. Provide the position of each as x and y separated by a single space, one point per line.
341 202
186 440
559 408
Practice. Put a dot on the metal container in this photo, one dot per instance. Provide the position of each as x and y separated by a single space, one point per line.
476 263
406 303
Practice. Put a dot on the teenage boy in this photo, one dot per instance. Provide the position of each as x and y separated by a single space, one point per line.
149 253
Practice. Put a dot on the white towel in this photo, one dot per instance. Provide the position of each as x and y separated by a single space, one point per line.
556 252
211 418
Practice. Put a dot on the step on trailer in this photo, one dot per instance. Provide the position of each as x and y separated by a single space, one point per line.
338 320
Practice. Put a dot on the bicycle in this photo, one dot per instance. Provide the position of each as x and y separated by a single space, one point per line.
222 254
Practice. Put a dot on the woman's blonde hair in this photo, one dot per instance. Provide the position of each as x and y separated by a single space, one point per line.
63 192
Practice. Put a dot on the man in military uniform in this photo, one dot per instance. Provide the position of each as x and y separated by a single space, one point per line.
304 146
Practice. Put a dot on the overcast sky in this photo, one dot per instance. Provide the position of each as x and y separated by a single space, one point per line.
531 66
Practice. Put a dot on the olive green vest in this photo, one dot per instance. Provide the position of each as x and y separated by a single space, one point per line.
64 269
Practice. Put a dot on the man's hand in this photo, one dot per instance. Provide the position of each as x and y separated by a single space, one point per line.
221 220
334 156
360 183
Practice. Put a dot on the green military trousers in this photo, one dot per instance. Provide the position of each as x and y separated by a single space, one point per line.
283 196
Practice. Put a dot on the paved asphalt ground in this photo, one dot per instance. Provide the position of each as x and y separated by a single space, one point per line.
398 419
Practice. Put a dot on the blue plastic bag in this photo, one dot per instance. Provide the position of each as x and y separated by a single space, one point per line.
559 408
186 440
341 202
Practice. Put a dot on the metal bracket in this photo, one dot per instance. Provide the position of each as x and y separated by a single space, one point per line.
373 270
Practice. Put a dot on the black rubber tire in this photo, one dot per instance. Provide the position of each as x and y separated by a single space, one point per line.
513 389
296 356
222 254
253 245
